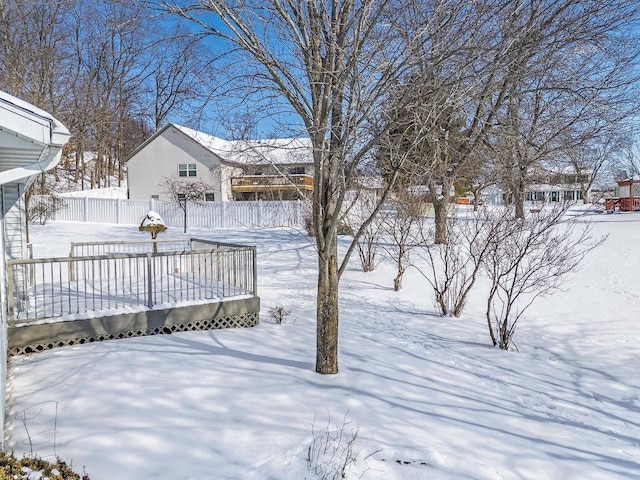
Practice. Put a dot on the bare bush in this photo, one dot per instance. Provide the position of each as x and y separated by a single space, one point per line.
404 229
368 246
279 313
42 208
41 202
355 217
332 451
528 258
453 267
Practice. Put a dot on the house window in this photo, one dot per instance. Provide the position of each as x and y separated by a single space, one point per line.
155 197
182 197
296 171
209 197
187 169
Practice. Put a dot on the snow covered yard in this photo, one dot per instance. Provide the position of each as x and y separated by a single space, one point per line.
428 396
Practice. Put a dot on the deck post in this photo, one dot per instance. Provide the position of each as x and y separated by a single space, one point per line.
255 271
10 297
149 281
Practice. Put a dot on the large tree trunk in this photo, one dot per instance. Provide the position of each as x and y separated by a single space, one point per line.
440 207
519 190
518 200
327 311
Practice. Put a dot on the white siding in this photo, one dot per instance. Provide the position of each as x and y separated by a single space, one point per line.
226 174
11 242
3 332
159 159
14 217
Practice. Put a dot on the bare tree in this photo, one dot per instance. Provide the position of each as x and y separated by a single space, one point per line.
589 161
533 94
332 64
34 51
184 191
181 78
528 259
566 88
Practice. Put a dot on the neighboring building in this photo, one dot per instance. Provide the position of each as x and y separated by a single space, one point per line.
279 169
563 186
626 197
30 143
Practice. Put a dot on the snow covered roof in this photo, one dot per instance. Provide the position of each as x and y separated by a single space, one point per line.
371 182
281 151
30 139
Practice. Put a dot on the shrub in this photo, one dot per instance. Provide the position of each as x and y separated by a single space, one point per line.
44 207
24 468
279 313
344 229
332 451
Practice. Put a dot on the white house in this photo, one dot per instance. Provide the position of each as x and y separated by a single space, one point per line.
234 170
559 185
30 143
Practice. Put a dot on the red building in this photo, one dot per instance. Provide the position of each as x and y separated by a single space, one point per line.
627 197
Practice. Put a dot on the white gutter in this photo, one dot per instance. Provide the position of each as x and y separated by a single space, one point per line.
34 130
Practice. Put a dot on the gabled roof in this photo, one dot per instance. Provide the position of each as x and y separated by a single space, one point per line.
30 139
282 151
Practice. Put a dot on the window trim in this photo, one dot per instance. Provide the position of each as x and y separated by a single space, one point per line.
187 170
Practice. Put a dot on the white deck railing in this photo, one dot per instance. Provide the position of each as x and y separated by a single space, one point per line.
120 276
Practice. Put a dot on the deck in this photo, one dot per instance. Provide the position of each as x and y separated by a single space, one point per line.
122 289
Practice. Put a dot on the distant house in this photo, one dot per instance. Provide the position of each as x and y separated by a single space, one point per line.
563 185
30 143
235 170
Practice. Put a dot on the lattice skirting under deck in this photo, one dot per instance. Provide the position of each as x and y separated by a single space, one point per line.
233 314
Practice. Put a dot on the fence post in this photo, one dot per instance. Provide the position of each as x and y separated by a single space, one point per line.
259 225
298 220
118 206
224 215
86 209
149 281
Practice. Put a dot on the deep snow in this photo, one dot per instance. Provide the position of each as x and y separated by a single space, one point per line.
428 396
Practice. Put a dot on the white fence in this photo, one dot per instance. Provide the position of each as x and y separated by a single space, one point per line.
209 215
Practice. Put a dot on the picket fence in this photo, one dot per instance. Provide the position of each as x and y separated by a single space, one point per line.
260 214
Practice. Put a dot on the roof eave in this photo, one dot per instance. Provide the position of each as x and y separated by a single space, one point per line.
34 139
